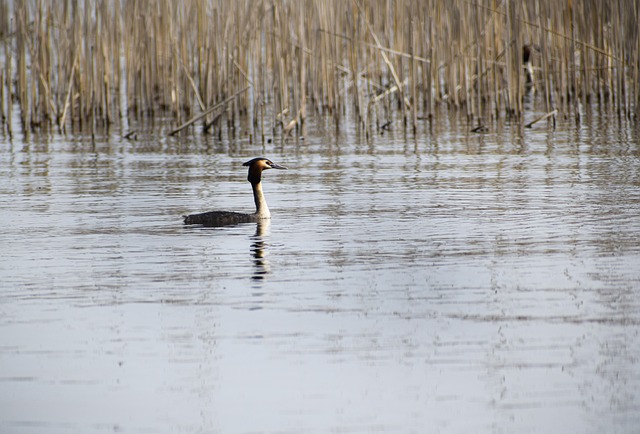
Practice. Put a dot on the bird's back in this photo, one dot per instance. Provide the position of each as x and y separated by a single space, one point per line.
219 218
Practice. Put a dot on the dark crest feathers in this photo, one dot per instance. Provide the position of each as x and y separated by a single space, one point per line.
255 175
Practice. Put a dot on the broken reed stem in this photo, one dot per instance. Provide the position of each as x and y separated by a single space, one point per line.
61 123
208 111
90 63
384 56
541 118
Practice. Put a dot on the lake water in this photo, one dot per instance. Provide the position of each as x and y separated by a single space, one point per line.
443 282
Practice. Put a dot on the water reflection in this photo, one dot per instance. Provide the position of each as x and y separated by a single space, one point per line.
259 250
407 279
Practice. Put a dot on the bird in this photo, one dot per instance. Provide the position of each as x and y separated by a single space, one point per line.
527 54
226 218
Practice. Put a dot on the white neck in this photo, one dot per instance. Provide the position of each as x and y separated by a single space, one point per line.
262 210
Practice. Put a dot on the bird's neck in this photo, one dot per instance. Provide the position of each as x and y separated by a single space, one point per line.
262 210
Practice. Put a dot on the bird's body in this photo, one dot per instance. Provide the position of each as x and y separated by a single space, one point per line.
226 218
219 218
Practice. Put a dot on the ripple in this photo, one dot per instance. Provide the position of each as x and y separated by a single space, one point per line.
407 282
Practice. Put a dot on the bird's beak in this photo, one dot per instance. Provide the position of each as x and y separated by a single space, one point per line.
277 166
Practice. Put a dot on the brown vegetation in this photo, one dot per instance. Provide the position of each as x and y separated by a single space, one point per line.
88 64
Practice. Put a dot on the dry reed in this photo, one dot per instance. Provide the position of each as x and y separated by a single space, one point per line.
90 64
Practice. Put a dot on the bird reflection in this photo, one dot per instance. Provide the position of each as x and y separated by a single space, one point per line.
259 250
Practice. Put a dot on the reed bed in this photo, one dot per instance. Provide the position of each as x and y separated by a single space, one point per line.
73 65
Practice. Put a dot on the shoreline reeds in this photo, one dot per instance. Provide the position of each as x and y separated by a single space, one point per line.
91 64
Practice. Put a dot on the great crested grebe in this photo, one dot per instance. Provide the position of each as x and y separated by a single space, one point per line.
224 218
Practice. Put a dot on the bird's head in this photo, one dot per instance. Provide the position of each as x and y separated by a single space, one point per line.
257 165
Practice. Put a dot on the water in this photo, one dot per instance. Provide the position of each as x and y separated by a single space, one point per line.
449 282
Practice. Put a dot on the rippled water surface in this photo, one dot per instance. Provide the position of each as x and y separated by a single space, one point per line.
445 282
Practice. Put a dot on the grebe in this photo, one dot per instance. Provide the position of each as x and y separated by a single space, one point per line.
224 218
527 54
